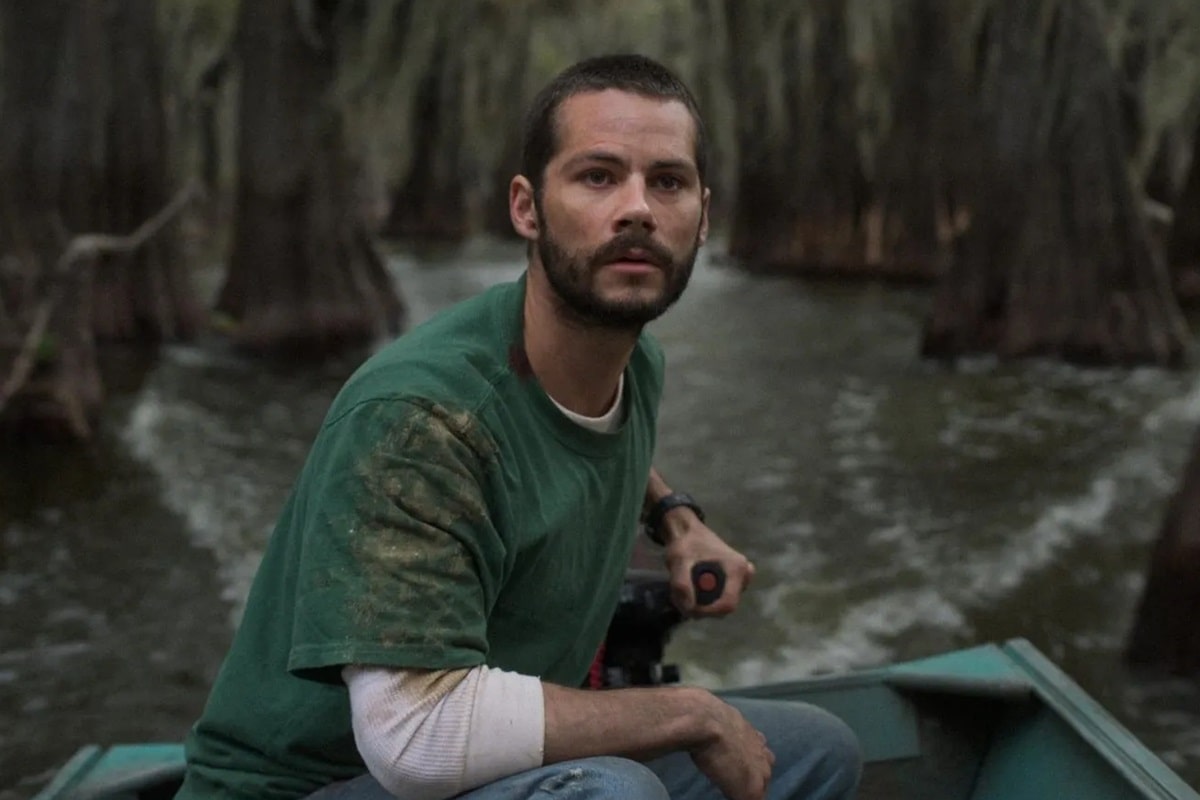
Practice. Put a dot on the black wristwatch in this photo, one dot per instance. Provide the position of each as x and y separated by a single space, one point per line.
653 523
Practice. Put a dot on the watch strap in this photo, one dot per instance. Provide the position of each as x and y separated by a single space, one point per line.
654 519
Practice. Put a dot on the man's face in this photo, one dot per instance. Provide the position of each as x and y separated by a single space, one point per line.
621 213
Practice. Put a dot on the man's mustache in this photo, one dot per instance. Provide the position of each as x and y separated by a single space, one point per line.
619 245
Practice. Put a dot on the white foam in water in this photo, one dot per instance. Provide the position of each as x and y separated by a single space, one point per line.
950 589
1038 546
1185 409
858 641
206 507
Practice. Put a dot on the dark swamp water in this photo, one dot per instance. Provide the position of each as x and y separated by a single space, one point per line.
895 509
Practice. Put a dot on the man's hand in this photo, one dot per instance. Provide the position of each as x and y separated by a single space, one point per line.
690 541
645 723
737 760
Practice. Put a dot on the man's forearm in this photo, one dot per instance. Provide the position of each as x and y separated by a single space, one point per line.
656 489
678 520
638 723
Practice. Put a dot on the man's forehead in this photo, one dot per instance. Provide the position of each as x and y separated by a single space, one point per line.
586 116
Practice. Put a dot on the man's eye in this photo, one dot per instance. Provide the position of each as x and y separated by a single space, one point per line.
669 182
596 177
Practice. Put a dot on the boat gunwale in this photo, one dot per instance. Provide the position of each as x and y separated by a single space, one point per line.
1031 675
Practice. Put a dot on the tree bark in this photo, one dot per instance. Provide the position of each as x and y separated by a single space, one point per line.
704 63
82 150
800 186
917 210
1057 260
212 79
304 274
146 294
430 202
1183 245
1165 635
505 91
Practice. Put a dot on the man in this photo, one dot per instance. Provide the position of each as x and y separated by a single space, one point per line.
447 564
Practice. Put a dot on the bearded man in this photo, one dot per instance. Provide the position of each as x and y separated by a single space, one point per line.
446 566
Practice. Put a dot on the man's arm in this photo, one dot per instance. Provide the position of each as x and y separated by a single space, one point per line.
433 734
657 489
644 723
687 540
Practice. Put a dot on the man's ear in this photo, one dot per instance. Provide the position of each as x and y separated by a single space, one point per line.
703 235
522 208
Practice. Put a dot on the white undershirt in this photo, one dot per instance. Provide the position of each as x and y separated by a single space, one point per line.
609 421
432 734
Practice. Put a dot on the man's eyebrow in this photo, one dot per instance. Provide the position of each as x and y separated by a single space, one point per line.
606 157
602 156
674 164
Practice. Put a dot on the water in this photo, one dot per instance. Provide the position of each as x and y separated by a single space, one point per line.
894 509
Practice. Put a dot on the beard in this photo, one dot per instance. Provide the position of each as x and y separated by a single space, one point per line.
571 275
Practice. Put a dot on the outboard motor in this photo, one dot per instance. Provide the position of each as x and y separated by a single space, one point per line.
641 627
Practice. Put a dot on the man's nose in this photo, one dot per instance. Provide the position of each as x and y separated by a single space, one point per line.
635 208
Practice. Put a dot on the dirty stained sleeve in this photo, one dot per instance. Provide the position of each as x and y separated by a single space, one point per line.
401 561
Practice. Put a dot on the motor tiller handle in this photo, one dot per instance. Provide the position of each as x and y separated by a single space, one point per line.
708 582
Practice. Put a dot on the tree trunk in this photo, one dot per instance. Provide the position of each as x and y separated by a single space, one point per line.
212 80
147 294
1183 247
800 188
917 212
1165 635
1057 260
702 30
430 202
304 274
505 90
82 150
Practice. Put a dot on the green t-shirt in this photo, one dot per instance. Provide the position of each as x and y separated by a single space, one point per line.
448 515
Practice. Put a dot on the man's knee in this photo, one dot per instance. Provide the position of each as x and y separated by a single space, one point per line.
604 777
817 747
841 755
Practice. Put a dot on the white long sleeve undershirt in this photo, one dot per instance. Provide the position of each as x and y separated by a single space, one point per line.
432 734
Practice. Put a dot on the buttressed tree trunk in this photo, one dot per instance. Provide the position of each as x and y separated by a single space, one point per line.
1183 249
1165 635
705 64
430 202
304 274
147 294
800 188
504 91
1057 260
82 150
916 212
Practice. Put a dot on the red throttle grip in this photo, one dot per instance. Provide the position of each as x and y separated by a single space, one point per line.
708 582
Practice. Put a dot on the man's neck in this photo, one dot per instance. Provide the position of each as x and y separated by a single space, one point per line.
578 365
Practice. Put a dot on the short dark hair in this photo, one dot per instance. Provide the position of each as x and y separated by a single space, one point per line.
626 72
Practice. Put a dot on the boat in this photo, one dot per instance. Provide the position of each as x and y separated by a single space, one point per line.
991 722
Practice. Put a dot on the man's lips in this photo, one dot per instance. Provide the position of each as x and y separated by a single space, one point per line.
637 258
633 267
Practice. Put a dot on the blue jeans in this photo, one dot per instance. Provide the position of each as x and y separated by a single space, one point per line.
816 758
